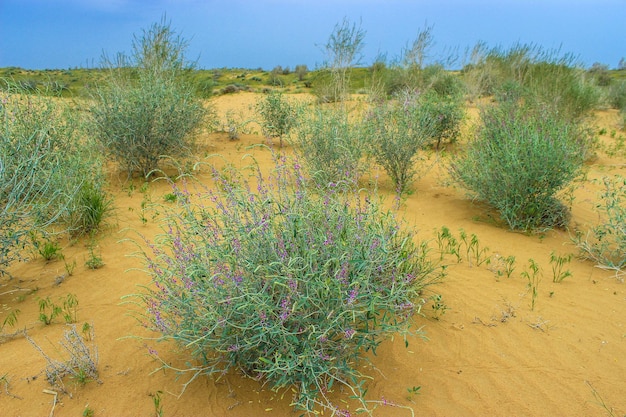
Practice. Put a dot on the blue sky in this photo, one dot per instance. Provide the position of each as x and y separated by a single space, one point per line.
38 34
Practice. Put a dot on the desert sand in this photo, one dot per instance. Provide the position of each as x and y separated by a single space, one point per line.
488 354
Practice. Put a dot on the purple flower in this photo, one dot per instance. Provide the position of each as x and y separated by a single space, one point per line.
348 333
352 296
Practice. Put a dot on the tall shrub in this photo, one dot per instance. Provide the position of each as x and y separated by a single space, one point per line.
395 132
519 161
289 286
278 115
343 51
147 110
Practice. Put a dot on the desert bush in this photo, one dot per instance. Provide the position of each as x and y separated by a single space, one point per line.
278 115
519 161
343 51
548 78
395 132
289 286
600 74
301 71
606 243
149 112
616 95
331 146
440 116
40 170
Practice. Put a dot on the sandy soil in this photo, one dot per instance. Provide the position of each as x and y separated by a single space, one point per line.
488 355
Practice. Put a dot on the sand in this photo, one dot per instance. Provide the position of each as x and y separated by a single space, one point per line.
488 354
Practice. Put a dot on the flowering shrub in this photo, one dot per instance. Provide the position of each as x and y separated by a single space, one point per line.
288 286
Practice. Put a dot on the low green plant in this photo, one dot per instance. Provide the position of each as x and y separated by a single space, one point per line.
438 305
518 163
605 243
95 260
49 250
170 197
289 283
10 319
70 308
48 311
448 244
69 267
158 405
88 411
558 262
532 275
501 265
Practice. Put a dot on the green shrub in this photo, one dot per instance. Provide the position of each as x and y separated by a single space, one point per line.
395 133
518 162
547 78
617 95
151 113
331 146
440 116
278 115
289 286
39 147
606 243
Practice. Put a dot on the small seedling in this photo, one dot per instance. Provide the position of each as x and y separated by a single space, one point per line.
87 330
438 306
69 268
158 406
10 319
414 390
49 250
480 255
70 309
533 281
509 265
48 311
94 261
88 412
557 262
